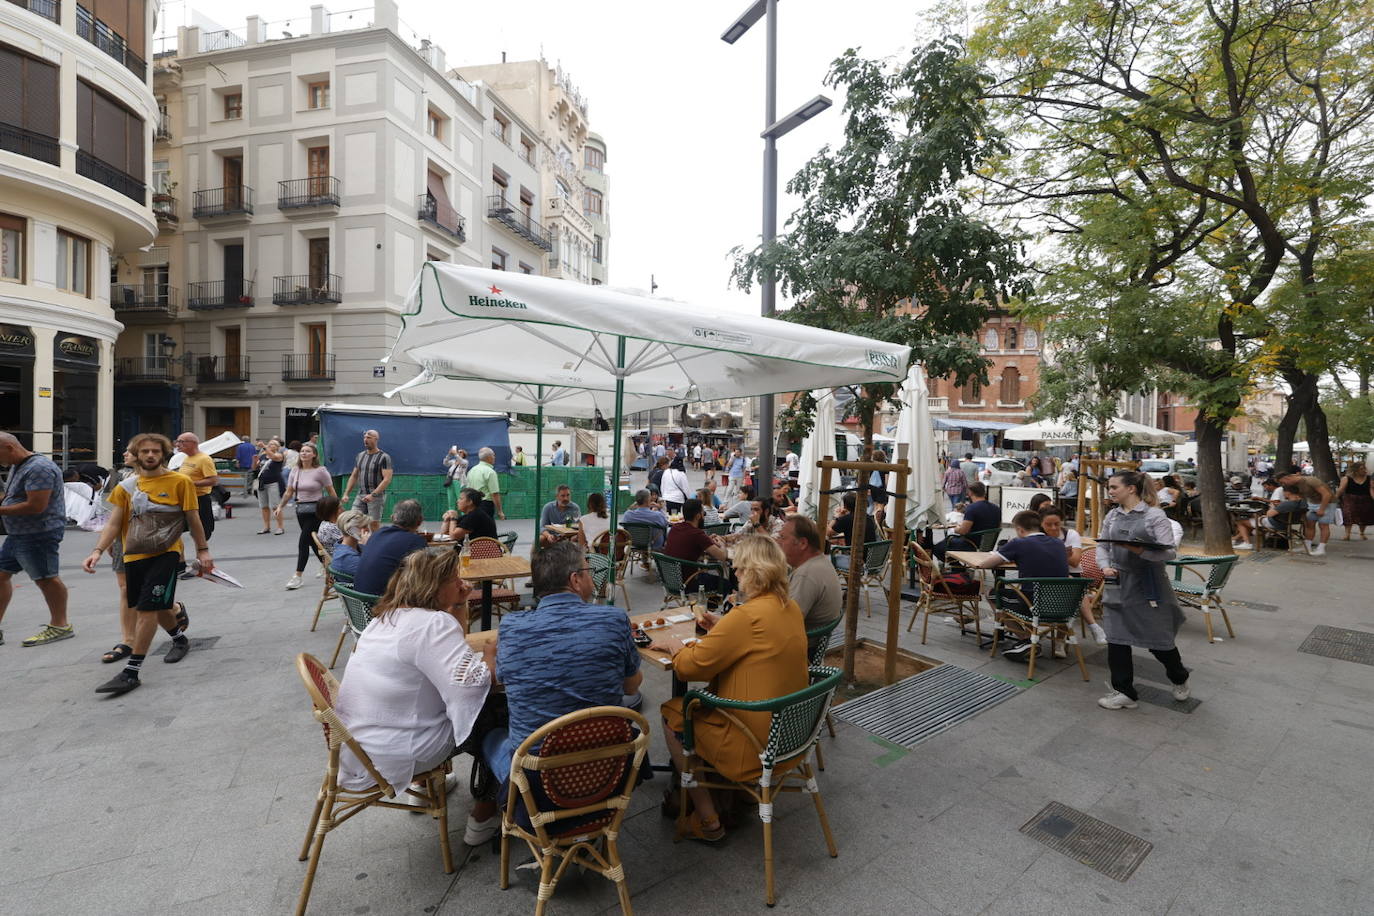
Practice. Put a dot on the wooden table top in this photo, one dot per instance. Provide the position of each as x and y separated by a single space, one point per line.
563 531
507 567
684 631
975 558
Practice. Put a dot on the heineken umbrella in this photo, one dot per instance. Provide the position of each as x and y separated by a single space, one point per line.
468 323
916 438
819 444
1054 430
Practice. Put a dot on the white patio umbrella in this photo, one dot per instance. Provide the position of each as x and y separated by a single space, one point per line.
524 332
915 432
1056 430
820 443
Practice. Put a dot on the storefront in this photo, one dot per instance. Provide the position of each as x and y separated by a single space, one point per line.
76 393
16 380
301 423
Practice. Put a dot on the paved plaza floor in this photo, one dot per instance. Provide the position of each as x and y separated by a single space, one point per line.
192 793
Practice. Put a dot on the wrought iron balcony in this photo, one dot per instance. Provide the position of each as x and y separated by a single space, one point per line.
48 9
15 139
111 177
162 130
500 209
220 294
160 301
307 367
228 369
109 41
304 289
146 369
299 193
165 208
234 200
447 221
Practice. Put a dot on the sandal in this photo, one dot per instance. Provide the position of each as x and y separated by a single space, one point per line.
120 652
183 620
696 830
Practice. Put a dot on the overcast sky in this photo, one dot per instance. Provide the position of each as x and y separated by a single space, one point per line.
680 110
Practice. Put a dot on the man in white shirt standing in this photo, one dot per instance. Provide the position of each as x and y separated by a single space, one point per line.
793 464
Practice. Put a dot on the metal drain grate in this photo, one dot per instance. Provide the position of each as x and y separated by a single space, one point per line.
1338 642
923 705
204 642
1096 844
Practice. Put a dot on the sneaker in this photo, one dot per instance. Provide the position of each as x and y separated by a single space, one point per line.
293 583
1018 652
1181 692
1060 650
1116 700
122 682
177 650
1242 545
1318 550
478 832
1099 634
49 634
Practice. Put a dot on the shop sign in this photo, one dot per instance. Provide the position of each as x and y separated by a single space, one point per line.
76 352
295 412
16 340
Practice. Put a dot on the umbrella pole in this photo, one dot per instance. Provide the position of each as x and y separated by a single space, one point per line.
615 465
538 459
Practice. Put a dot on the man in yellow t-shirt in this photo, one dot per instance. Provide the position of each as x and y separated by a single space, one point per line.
151 512
200 467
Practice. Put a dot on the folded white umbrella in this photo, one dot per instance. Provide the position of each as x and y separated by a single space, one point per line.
820 443
916 433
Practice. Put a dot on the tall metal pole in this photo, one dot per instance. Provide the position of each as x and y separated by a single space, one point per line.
538 459
770 231
615 464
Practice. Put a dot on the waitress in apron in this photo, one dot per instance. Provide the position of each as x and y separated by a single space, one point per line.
1142 611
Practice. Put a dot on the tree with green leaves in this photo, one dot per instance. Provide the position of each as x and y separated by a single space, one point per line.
886 243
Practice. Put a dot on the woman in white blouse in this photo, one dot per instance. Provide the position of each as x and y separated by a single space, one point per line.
414 688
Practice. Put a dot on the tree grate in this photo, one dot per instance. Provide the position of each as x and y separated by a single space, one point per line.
925 704
197 644
1340 643
1082 837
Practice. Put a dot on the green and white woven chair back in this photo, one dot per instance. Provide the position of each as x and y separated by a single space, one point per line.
875 556
508 539
670 572
987 540
795 727
600 565
339 575
822 636
1057 600
641 536
358 607
1220 573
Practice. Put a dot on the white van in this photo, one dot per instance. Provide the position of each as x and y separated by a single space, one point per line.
1001 471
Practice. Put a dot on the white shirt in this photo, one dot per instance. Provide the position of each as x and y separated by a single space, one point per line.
673 486
793 462
696 452
410 695
594 526
1073 541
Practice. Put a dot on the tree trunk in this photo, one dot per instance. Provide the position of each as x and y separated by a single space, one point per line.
1211 483
857 535
1302 398
1319 444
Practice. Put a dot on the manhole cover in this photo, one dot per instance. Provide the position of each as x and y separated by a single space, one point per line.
923 705
1338 642
1096 844
204 642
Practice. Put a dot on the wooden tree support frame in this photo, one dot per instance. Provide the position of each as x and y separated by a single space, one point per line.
1092 491
856 552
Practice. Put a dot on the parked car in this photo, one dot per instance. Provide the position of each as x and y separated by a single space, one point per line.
1159 467
1002 471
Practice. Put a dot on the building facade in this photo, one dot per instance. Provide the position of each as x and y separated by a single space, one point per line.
77 115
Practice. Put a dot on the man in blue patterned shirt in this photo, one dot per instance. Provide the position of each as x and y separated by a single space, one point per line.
35 515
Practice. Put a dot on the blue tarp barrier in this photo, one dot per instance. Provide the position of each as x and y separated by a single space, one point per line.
417 445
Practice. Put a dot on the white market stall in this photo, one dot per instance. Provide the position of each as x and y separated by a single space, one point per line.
1056 430
497 340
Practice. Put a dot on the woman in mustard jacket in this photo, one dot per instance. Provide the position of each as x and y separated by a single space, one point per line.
755 652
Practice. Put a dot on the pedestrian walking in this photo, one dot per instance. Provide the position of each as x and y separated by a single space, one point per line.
128 617
955 485
307 485
735 474
484 480
1142 611
560 455
200 467
519 459
151 511
372 474
34 513
673 486
270 475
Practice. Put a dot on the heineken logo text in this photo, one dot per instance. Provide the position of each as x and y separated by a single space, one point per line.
490 302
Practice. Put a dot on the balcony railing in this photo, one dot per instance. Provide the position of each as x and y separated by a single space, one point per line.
165 208
160 301
220 294
111 177
222 40
937 405
14 139
235 200
162 130
449 221
307 367
222 369
109 41
145 369
500 209
305 289
322 191
48 9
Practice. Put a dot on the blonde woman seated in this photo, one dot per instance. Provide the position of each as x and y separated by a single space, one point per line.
755 652
414 688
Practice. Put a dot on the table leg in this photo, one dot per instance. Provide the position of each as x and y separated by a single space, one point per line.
486 604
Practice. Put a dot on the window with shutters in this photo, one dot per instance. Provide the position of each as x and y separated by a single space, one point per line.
233 106
498 259
317 94
73 263
28 106
593 159
12 247
1011 338
971 393
1011 385
108 131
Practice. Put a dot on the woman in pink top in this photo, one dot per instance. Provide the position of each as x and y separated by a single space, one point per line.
308 483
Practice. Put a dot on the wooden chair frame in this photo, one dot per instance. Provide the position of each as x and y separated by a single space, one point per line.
1051 614
786 767
1205 594
503 595
328 592
594 849
335 804
357 615
936 597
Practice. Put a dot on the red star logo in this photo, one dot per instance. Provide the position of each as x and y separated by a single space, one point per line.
496 290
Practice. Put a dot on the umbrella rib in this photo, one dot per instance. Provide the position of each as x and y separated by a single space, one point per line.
553 341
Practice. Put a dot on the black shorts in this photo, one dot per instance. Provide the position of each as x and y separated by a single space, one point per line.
151 583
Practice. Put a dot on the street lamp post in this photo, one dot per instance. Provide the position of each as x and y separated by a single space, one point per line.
773 129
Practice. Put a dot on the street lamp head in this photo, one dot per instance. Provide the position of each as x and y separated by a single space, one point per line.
797 118
744 22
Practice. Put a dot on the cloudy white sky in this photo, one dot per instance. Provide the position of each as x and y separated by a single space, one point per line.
680 109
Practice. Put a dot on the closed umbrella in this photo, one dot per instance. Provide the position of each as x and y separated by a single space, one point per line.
916 436
820 443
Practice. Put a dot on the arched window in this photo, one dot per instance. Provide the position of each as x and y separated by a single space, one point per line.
1032 339
1011 338
990 339
972 392
1011 385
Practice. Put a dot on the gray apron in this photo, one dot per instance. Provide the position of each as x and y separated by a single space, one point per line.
1141 608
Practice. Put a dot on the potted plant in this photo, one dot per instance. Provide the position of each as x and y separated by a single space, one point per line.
164 196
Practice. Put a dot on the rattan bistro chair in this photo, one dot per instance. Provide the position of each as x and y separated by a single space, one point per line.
641 544
335 804
503 597
357 615
955 594
328 593
1036 608
818 643
600 565
567 801
793 730
680 580
1205 594
876 555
